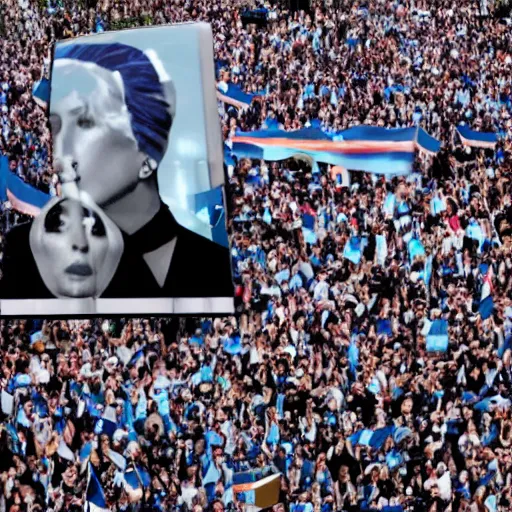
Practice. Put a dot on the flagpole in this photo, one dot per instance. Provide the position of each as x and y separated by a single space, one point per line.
139 479
87 505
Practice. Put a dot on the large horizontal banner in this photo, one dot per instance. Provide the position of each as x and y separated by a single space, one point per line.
363 148
138 148
472 138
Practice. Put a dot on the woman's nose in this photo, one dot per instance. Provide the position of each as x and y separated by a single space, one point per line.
79 240
81 248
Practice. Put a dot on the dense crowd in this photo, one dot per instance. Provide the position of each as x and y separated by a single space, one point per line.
329 375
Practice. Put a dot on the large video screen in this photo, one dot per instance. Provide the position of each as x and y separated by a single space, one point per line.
137 223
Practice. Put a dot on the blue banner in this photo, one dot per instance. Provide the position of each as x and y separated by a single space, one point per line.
485 140
362 148
22 196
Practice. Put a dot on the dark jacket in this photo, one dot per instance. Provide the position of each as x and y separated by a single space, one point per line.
199 267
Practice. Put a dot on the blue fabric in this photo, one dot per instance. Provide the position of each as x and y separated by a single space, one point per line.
133 481
475 232
214 439
22 380
95 493
41 91
486 307
106 427
475 138
389 205
211 203
280 404
273 435
394 459
296 282
85 452
353 356
40 405
384 328
381 162
401 433
162 400
144 95
483 405
233 345
212 475
490 436
283 275
403 208
416 249
138 355
437 338
374 386
437 206
21 191
309 236
308 221
353 250
236 96
206 374
491 503
379 437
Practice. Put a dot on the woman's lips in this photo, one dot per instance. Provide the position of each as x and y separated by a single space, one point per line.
80 269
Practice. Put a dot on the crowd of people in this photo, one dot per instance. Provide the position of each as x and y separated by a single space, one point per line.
371 361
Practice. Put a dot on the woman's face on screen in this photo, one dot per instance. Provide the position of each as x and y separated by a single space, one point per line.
94 133
75 246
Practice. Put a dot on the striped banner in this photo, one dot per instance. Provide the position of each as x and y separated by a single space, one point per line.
259 495
474 139
363 148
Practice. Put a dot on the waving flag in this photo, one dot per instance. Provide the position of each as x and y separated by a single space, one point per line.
95 496
471 138
22 196
41 92
228 157
353 250
437 338
84 456
233 95
362 148
136 477
209 207
486 302
491 503
107 424
416 249
373 438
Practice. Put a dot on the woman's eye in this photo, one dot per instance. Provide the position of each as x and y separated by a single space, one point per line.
85 122
97 227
